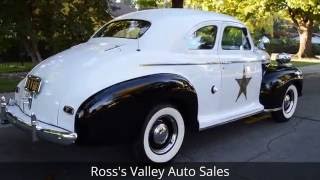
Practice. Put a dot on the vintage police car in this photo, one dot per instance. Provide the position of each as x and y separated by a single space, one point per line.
149 77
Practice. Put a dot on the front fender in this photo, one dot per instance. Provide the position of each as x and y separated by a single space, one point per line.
275 80
116 113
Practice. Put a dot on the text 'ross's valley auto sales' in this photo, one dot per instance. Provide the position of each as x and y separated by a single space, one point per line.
159 173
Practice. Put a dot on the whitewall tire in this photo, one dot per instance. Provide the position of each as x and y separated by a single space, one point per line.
289 104
162 134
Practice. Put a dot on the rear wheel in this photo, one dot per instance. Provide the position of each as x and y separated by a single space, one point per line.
289 104
162 135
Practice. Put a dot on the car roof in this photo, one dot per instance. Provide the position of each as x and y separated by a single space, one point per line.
170 28
174 14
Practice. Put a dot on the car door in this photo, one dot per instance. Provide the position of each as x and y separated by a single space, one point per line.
205 70
241 73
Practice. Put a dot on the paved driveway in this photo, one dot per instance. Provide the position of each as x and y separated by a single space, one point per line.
253 139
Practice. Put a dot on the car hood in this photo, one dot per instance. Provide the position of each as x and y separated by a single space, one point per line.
70 77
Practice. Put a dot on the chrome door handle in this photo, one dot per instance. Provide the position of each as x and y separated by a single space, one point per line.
214 89
226 62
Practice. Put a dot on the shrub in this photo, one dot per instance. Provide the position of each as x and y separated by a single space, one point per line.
287 45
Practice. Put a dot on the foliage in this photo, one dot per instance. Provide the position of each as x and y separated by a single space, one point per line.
256 19
258 14
147 4
287 45
44 27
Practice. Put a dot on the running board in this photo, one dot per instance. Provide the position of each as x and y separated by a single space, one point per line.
232 120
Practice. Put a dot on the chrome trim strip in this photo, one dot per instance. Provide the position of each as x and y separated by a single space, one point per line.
180 64
273 109
195 64
116 46
235 62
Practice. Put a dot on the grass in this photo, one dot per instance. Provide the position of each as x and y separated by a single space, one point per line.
302 63
8 85
14 67
299 63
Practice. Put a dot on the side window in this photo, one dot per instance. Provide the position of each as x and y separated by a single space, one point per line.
203 38
235 38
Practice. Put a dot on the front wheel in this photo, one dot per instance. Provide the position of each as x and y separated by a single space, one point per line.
289 104
162 135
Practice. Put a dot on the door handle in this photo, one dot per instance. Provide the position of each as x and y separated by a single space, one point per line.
214 89
226 62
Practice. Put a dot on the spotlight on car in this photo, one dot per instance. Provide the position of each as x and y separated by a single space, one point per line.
283 59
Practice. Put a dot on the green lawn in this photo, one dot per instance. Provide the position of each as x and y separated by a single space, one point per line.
300 64
15 67
8 85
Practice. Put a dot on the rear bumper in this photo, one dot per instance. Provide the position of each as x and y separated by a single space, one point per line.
39 129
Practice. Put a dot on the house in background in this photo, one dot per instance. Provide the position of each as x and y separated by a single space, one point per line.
120 7
315 38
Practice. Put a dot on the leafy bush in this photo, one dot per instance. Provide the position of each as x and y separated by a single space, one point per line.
288 45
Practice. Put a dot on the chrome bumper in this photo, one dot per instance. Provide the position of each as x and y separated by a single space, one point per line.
63 137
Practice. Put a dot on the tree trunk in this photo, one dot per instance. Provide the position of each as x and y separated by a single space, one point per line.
32 50
35 50
177 3
305 33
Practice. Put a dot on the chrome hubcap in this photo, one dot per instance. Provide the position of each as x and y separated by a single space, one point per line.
160 133
163 134
288 101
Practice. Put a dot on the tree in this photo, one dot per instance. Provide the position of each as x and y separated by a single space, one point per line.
18 23
177 3
248 11
147 4
303 14
46 27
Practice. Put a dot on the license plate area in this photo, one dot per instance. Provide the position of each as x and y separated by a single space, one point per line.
33 84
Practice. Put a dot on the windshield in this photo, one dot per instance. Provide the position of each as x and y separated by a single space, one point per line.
130 29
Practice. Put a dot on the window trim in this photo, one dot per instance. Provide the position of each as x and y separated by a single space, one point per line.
113 21
246 37
215 38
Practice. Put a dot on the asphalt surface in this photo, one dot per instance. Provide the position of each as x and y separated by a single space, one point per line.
255 139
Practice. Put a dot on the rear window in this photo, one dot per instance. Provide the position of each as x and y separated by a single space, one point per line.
130 29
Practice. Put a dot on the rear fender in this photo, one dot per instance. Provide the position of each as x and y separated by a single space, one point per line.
117 113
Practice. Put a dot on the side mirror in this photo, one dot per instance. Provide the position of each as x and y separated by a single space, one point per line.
260 45
262 41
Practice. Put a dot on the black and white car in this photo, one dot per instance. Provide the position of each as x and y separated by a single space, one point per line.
149 77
